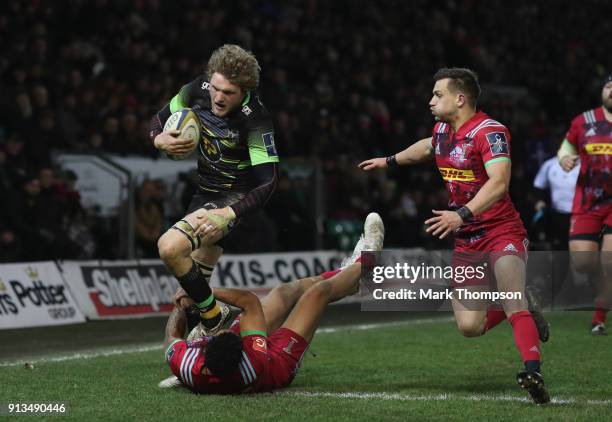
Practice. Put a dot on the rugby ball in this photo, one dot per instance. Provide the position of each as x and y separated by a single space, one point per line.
186 121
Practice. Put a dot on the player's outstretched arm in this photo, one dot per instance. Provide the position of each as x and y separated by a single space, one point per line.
176 325
252 313
416 153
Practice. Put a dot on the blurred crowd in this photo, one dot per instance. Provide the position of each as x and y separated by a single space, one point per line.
344 80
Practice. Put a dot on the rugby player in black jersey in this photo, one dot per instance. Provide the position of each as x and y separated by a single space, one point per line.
237 170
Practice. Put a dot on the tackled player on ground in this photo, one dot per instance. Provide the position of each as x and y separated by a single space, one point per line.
265 344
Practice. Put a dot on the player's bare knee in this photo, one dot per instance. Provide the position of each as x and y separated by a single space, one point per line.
470 327
169 249
320 291
470 331
286 292
585 262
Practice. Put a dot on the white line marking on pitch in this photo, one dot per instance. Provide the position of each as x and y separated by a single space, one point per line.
149 347
360 327
436 397
88 355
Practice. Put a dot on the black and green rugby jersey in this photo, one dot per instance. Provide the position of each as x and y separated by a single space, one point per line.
229 146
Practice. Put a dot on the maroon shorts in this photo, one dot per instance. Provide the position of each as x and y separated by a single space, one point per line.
286 349
589 226
473 265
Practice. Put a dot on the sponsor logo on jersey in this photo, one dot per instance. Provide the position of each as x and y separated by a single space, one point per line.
268 140
457 174
170 353
210 149
598 149
246 110
292 342
510 247
458 153
205 85
259 345
497 143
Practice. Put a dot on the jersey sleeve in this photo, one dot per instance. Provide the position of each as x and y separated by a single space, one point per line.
175 353
493 144
255 358
573 134
193 93
188 94
262 148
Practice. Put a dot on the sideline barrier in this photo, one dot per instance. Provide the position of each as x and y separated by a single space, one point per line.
48 293
33 294
139 288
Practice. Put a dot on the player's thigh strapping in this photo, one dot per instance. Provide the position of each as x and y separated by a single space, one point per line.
189 224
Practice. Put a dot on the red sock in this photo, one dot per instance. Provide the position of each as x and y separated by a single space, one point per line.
525 335
495 315
329 274
601 312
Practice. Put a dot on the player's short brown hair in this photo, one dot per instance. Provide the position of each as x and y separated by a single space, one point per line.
461 80
236 64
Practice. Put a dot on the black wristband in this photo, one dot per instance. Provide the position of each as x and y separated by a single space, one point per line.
465 213
391 161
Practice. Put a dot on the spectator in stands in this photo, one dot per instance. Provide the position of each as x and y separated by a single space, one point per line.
10 246
337 80
149 219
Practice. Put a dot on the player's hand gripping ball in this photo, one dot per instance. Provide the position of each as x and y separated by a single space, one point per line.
185 121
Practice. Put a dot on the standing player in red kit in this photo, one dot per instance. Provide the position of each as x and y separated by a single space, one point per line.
590 140
472 152
244 359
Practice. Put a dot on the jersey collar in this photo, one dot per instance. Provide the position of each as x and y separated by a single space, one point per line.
470 124
246 99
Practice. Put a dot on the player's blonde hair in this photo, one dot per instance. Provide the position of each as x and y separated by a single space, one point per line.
236 64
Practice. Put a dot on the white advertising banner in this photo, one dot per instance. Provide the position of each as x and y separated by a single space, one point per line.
126 289
33 294
261 272
120 289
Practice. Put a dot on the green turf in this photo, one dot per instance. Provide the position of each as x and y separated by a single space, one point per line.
405 361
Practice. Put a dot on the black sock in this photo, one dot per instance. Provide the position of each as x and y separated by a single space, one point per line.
196 285
193 319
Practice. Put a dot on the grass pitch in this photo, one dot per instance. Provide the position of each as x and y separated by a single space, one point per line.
416 369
